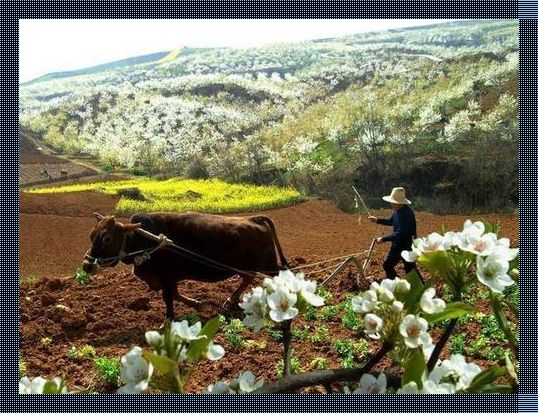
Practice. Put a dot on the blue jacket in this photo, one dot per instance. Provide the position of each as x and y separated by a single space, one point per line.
404 225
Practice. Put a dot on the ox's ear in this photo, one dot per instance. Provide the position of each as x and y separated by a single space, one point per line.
130 227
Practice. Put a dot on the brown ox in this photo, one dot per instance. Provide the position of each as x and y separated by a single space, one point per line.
245 243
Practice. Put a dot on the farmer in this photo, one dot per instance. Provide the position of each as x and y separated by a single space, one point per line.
404 230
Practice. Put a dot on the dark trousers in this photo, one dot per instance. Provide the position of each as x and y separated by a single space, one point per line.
393 257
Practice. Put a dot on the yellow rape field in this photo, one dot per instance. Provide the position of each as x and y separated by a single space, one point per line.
214 196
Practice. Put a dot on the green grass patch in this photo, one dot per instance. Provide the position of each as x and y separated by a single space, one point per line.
29 280
212 196
22 367
109 369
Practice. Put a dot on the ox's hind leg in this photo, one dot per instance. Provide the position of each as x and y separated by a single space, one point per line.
234 298
187 300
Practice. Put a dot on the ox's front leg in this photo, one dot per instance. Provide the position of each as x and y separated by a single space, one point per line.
168 297
234 298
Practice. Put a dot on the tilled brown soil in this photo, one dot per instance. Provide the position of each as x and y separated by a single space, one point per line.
115 309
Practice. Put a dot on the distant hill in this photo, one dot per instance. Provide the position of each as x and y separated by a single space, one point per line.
131 61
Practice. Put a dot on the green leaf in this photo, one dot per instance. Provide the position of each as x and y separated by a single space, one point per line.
199 347
165 365
436 262
452 310
501 318
486 378
510 368
416 290
50 388
414 368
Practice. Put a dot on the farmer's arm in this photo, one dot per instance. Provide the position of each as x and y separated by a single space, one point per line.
384 221
404 229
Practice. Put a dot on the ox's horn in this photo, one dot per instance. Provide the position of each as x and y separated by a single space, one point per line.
98 215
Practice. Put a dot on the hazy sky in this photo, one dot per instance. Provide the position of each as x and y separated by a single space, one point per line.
55 45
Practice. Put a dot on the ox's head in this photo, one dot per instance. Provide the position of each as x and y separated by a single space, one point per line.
107 243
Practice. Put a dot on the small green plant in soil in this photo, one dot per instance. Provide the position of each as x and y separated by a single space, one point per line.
480 346
350 319
311 314
72 353
86 351
329 312
82 277
295 365
109 369
321 335
349 349
29 280
491 329
233 332
458 344
46 341
301 334
319 363
274 333
22 367
324 293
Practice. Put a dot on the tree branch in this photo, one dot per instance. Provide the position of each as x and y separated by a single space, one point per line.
322 377
286 340
441 344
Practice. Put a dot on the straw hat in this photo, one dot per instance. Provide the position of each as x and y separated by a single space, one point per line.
397 196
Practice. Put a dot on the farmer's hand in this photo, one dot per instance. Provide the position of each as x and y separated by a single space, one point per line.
372 218
379 239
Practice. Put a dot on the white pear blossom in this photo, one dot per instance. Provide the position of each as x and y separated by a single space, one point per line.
433 242
432 387
452 239
154 339
482 245
255 306
409 256
373 325
308 292
492 271
31 386
364 303
281 303
460 371
427 346
244 383
184 331
214 351
372 385
414 330
408 388
429 304
397 306
37 385
136 372
402 286
218 388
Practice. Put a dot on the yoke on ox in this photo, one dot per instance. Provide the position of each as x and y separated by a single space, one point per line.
246 243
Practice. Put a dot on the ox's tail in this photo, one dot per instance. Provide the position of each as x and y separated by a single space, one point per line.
262 219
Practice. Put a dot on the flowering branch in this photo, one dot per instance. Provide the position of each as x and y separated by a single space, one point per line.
322 377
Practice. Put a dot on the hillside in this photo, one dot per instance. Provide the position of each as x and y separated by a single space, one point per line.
433 108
